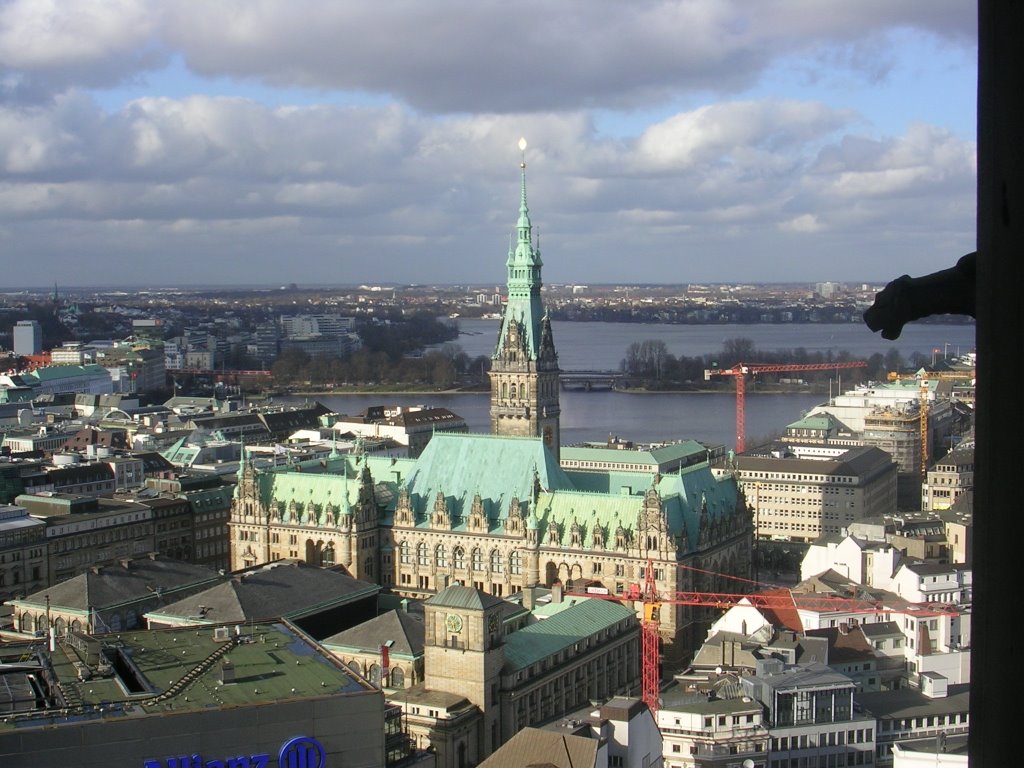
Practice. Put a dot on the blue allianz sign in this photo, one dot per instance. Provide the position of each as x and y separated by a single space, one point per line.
299 752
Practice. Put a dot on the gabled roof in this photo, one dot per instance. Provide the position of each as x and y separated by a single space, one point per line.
405 631
745 653
845 644
287 589
108 585
459 596
931 569
536 748
783 616
880 629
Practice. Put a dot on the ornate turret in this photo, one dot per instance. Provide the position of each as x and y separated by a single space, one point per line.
524 367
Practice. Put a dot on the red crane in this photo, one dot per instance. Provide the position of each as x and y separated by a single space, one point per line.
740 371
650 656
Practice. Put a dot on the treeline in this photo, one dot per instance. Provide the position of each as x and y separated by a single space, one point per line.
650 364
398 335
390 356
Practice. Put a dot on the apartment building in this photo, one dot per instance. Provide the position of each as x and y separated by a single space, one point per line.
801 499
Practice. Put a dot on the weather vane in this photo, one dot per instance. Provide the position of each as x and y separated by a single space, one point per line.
522 148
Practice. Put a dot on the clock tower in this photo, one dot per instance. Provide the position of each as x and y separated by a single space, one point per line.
524 366
463 654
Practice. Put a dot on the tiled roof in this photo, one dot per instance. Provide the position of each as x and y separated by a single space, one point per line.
782 617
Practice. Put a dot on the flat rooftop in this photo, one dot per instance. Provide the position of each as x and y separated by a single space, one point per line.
150 672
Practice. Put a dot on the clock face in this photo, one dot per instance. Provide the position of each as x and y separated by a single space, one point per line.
453 622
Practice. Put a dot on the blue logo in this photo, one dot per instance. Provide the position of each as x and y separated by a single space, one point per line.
301 752
298 752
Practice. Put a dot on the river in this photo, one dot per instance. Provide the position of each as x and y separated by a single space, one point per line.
592 416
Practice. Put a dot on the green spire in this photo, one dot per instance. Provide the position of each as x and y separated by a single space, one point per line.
524 308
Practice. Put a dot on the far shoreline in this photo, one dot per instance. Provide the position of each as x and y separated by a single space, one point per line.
356 392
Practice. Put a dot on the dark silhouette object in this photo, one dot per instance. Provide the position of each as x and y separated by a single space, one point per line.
947 292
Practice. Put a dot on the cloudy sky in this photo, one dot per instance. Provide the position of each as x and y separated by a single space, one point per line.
330 142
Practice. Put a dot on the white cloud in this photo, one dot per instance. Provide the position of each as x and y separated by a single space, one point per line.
806 222
450 56
202 183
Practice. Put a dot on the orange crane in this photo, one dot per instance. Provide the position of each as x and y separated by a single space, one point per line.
923 411
740 371
923 377
650 656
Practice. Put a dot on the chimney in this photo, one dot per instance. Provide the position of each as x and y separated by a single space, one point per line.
529 598
227 671
556 592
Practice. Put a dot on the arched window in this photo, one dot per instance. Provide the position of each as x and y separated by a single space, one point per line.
441 556
327 556
397 678
513 391
497 563
375 675
478 559
515 562
504 390
354 666
421 554
459 557
406 552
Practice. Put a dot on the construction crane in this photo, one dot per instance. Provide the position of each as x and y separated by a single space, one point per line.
965 375
923 414
652 602
923 377
740 371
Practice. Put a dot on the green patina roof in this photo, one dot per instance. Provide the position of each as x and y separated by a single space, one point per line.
303 488
684 493
54 372
817 421
498 468
562 630
588 510
459 596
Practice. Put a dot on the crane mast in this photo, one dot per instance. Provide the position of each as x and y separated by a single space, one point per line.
739 373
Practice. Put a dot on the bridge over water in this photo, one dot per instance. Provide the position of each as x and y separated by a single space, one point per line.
590 381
